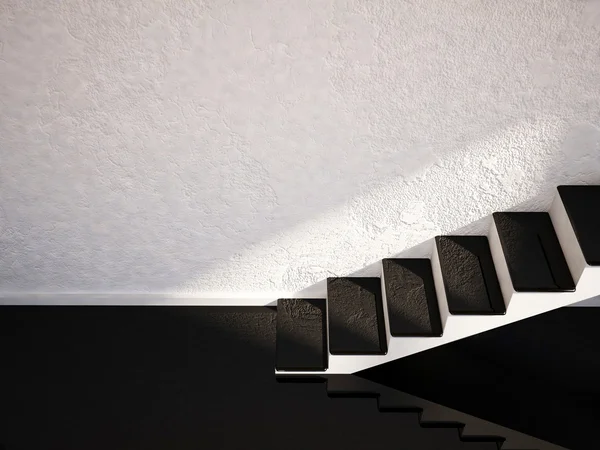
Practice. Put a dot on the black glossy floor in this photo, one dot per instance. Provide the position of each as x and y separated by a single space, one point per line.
127 378
540 376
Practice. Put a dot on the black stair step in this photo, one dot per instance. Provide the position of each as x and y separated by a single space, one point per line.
533 254
355 313
582 204
301 343
411 298
469 274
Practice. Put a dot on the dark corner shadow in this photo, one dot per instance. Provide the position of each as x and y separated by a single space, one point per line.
131 377
166 378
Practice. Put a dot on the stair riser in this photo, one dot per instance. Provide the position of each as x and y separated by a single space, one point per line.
506 285
440 290
568 240
386 315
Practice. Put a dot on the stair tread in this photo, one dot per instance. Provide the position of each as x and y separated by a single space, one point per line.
411 298
301 343
533 254
470 278
582 204
355 313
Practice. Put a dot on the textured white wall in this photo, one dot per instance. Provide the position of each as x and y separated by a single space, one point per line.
251 146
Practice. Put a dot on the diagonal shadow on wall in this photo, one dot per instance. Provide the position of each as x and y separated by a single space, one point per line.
191 187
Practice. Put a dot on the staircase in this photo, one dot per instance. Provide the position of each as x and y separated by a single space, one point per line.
529 263
431 415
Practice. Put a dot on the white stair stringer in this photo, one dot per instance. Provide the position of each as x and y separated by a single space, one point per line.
519 305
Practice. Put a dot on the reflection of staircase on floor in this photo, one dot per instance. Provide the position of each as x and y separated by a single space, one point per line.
529 263
431 415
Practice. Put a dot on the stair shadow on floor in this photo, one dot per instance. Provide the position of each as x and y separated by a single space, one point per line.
538 376
470 429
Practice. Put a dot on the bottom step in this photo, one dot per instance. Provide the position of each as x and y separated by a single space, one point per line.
301 335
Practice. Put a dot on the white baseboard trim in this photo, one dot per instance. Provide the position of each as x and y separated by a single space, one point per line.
155 299
122 299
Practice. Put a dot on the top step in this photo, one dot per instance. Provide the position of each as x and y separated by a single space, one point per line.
533 254
582 204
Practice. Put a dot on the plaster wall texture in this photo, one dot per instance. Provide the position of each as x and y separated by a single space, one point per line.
237 147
